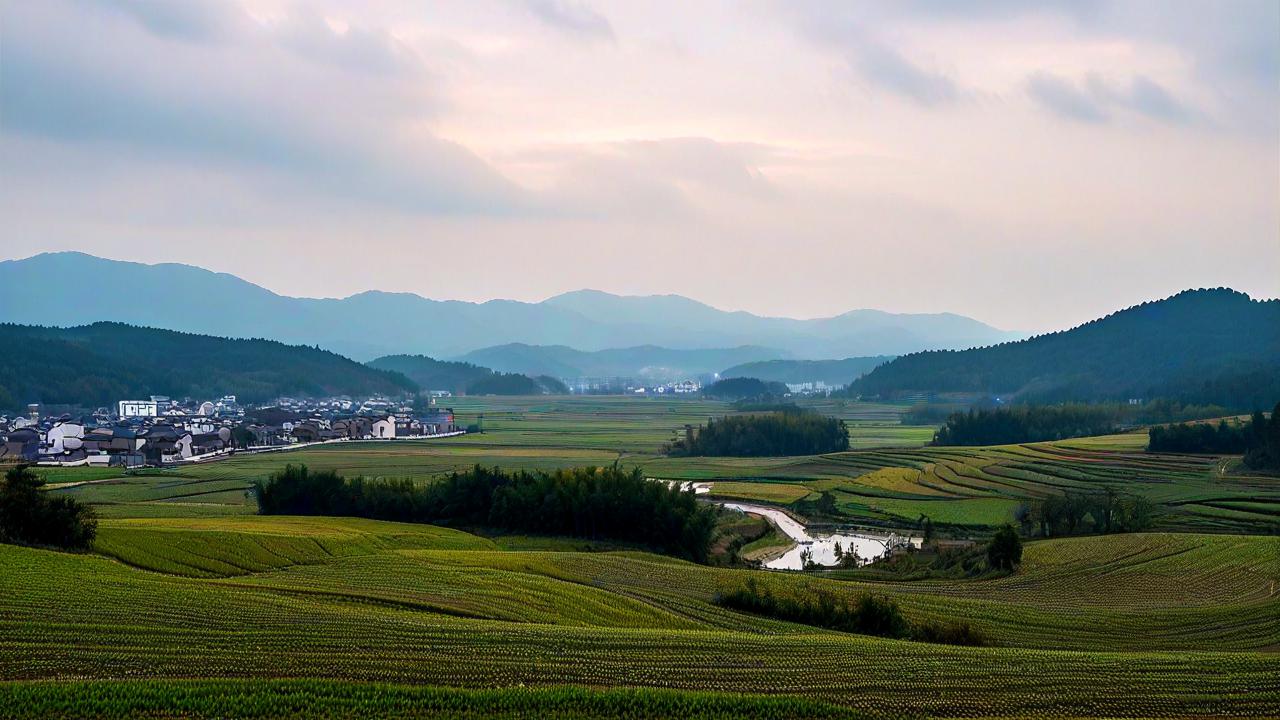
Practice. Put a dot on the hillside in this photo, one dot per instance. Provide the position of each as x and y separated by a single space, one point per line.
646 361
1202 346
831 372
432 374
96 365
372 324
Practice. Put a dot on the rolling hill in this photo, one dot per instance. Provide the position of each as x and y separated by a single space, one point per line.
69 289
646 361
1202 346
96 365
831 372
432 374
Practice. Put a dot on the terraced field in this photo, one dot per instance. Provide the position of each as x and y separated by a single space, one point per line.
1140 625
188 598
892 484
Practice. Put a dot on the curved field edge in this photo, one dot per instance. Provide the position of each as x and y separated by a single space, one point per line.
330 699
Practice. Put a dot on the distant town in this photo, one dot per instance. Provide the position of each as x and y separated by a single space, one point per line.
161 431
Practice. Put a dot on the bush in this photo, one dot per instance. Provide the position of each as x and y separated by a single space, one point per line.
29 516
1005 550
865 614
952 633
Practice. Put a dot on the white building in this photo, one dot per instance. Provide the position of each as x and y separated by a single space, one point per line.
384 427
64 436
138 408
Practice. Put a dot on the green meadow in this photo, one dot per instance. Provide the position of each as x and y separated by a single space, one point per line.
188 598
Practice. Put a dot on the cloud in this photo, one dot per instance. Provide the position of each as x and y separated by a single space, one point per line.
1064 99
1096 101
1153 100
572 17
655 179
199 20
262 103
885 67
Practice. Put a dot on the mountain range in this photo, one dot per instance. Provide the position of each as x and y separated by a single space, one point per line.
69 289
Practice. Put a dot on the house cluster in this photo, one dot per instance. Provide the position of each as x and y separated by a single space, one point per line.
815 387
160 431
683 387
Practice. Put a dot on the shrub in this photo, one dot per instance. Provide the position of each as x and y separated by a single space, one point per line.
1005 550
29 516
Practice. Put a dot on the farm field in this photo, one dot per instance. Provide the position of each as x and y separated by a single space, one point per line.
187 596
891 484
1181 624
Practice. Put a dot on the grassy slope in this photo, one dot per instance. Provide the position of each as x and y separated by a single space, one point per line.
396 603
328 699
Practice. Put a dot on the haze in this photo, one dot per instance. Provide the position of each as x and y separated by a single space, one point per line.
1032 165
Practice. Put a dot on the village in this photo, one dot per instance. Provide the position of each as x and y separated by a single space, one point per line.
161 431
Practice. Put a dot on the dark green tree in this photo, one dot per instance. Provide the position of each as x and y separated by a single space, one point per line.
1005 550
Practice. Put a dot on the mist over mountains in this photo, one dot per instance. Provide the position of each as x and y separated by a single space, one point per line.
70 289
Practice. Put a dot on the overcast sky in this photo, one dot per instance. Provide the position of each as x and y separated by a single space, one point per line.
1031 164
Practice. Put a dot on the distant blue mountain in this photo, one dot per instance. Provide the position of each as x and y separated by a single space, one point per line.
68 289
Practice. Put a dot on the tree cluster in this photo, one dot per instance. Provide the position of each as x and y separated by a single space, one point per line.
744 388
594 503
1027 423
1258 440
30 516
765 435
865 614
1078 513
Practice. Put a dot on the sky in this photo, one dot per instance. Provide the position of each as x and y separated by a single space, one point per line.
1030 164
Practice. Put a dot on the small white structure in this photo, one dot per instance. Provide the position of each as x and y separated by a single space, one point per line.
384 427
64 436
138 408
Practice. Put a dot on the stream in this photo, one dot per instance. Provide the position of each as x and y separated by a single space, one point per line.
821 546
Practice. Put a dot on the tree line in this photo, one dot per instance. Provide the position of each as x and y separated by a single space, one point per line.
764 435
1258 440
596 503
1027 423
1073 513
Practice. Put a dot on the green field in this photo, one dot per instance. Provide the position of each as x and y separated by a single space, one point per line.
892 483
190 605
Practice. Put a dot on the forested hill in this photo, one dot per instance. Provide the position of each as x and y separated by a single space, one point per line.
1203 346
831 372
432 374
96 365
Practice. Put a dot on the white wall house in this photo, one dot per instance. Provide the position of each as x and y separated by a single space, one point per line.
384 427
138 408
64 436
